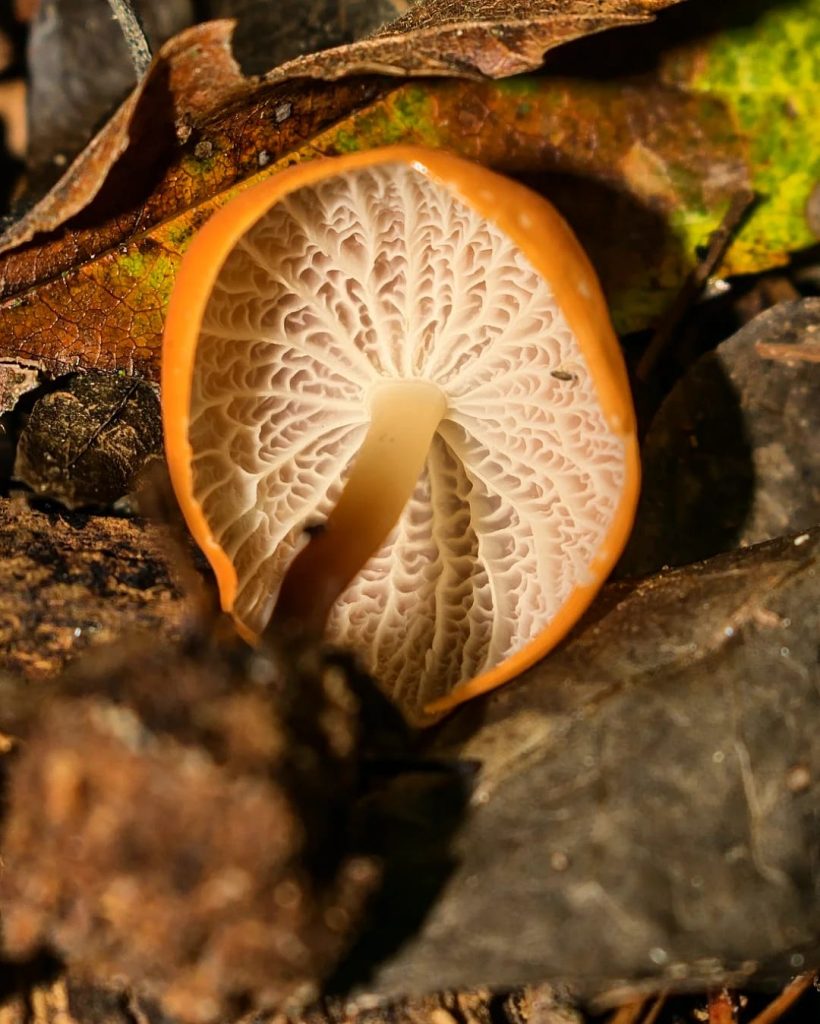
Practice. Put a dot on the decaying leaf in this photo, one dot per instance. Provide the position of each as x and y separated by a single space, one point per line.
436 37
596 140
763 61
644 168
194 80
728 460
495 38
645 806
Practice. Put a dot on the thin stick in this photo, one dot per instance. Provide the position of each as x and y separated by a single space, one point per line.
628 1013
790 994
135 38
719 242
656 1007
721 1008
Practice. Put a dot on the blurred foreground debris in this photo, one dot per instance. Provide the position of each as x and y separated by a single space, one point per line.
654 781
179 818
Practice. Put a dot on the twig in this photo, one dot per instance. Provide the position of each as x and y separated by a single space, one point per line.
721 1008
655 1009
628 1013
799 352
135 37
719 242
790 994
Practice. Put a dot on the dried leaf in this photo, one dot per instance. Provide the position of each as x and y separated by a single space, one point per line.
495 38
435 37
643 168
194 77
645 805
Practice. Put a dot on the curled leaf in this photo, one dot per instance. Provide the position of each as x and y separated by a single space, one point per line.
493 38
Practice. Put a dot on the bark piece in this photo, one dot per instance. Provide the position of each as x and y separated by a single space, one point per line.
72 1000
72 580
16 380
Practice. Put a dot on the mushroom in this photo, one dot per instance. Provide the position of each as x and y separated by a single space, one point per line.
393 401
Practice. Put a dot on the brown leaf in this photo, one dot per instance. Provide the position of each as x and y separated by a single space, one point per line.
193 75
644 793
193 128
198 73
605 154
480 37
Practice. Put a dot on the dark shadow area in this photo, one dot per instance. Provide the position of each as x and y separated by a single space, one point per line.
637 49
699 478
20 978
270 34
625 239
410 808
12 43
137 173
10 170
408 821
628 242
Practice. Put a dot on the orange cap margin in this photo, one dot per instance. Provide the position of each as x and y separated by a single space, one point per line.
550 246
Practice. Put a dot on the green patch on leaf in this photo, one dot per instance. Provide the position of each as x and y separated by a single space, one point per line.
407 116
768 75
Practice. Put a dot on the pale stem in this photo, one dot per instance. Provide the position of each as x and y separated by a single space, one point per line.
404 418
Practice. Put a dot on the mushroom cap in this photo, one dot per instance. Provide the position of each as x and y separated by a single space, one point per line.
307 291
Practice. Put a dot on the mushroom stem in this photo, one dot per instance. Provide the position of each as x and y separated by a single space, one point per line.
404 417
